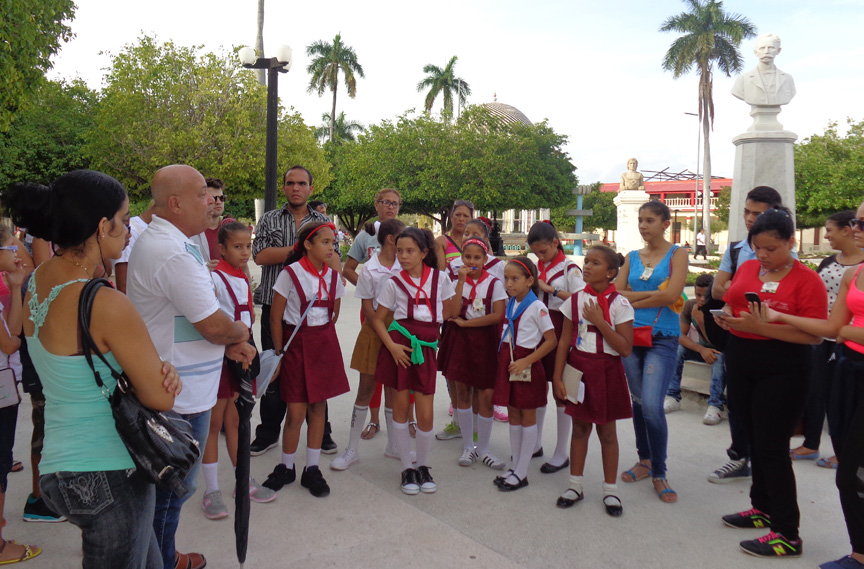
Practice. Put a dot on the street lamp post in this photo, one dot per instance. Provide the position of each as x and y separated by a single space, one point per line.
274 65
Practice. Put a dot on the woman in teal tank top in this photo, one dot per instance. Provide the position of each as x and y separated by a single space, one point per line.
450 244
87 474
652 279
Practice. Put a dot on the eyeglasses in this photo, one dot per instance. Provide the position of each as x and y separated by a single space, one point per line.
388 203
220 198
857 224
466 203
13 248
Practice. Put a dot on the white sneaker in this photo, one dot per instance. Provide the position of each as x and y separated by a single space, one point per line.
468 457
492 462
393 452
712 416
345 460
260 494
671 404
450 431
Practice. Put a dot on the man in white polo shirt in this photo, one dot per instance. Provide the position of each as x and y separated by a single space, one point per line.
170 285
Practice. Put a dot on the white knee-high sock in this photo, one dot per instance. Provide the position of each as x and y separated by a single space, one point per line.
562 446
211 476
388 422
484 434
424 447
403 443
541 418
466 417
358 420
312 456
288 460
529 438
515 443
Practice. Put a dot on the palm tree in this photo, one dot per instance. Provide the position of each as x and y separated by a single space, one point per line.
344 130
444 82
327 60
709 37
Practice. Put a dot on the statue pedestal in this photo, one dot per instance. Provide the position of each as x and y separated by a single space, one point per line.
762 158
765 119
627 237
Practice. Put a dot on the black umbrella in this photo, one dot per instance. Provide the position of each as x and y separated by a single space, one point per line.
245 402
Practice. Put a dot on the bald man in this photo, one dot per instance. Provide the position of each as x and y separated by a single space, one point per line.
170 285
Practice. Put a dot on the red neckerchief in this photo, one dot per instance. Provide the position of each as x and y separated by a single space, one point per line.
473 294
544 267
427 270
602 299
309 268
232 271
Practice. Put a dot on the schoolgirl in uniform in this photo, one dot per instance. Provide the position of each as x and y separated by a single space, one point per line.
312 370
478 228
376 272
521 384
418 299
598 330
235 299
468 353
558 278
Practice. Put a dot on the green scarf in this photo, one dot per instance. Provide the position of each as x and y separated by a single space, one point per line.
416 343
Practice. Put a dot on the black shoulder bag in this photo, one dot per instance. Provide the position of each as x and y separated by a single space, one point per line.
160 443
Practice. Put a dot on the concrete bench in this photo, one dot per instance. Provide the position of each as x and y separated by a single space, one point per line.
696 377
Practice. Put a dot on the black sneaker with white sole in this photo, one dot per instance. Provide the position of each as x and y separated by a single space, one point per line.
410 482
259 446
427 485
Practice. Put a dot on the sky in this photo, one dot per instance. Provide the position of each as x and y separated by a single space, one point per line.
591 68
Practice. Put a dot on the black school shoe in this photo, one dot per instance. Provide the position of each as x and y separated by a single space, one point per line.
549 468
569 498
507 487
328 445
280 477
314 481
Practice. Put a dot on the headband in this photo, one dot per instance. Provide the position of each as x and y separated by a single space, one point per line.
311 233
524 266
475 241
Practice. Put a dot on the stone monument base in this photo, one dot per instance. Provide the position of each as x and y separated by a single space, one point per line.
762 158
627 237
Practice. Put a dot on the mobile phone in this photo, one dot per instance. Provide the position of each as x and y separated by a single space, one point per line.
753 297
719 313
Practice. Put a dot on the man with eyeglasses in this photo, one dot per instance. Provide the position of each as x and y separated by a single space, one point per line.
216 189
274 241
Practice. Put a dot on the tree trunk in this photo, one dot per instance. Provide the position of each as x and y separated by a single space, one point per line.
333 112
259 42
706 180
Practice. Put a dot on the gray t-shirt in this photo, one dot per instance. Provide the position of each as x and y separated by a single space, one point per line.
365 245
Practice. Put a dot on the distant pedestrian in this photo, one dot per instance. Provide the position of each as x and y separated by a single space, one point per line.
700 245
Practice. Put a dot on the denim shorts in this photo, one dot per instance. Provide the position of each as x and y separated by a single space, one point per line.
114 510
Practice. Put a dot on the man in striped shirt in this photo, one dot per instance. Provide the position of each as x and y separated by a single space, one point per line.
275 236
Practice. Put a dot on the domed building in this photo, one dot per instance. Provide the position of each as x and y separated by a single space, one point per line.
507 113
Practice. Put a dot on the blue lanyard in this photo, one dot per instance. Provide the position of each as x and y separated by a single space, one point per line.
512 316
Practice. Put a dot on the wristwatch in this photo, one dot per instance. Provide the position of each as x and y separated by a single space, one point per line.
555 292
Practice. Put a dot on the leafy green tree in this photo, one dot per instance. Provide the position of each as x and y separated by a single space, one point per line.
345 130
328 59
445 83
710 36
46 139
829 171
168 104
30 33
496 165
604 212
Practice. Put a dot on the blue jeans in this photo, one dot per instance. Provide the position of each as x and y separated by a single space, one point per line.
648 373
718 377
114 510
168 505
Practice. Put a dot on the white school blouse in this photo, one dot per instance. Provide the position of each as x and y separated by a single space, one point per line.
285 286
571 281
620 311
241 291
372 278
534 322
393 298
498 293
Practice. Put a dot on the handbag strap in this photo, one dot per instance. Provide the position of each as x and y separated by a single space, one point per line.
88 345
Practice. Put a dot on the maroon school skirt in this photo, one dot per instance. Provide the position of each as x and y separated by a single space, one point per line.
607 397
312 368
519 394
228 383
445 346
473 356
549 360
419 378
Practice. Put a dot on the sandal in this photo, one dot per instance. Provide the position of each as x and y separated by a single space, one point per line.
368 433
667 495
412 429
189 561
632 474
17 466
28 552
827 462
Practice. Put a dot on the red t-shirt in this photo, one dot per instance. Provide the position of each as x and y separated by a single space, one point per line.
801 292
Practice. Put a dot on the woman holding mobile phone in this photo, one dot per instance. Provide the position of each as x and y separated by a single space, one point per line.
768 375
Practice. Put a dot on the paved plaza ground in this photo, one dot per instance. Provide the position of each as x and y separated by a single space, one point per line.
367 521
